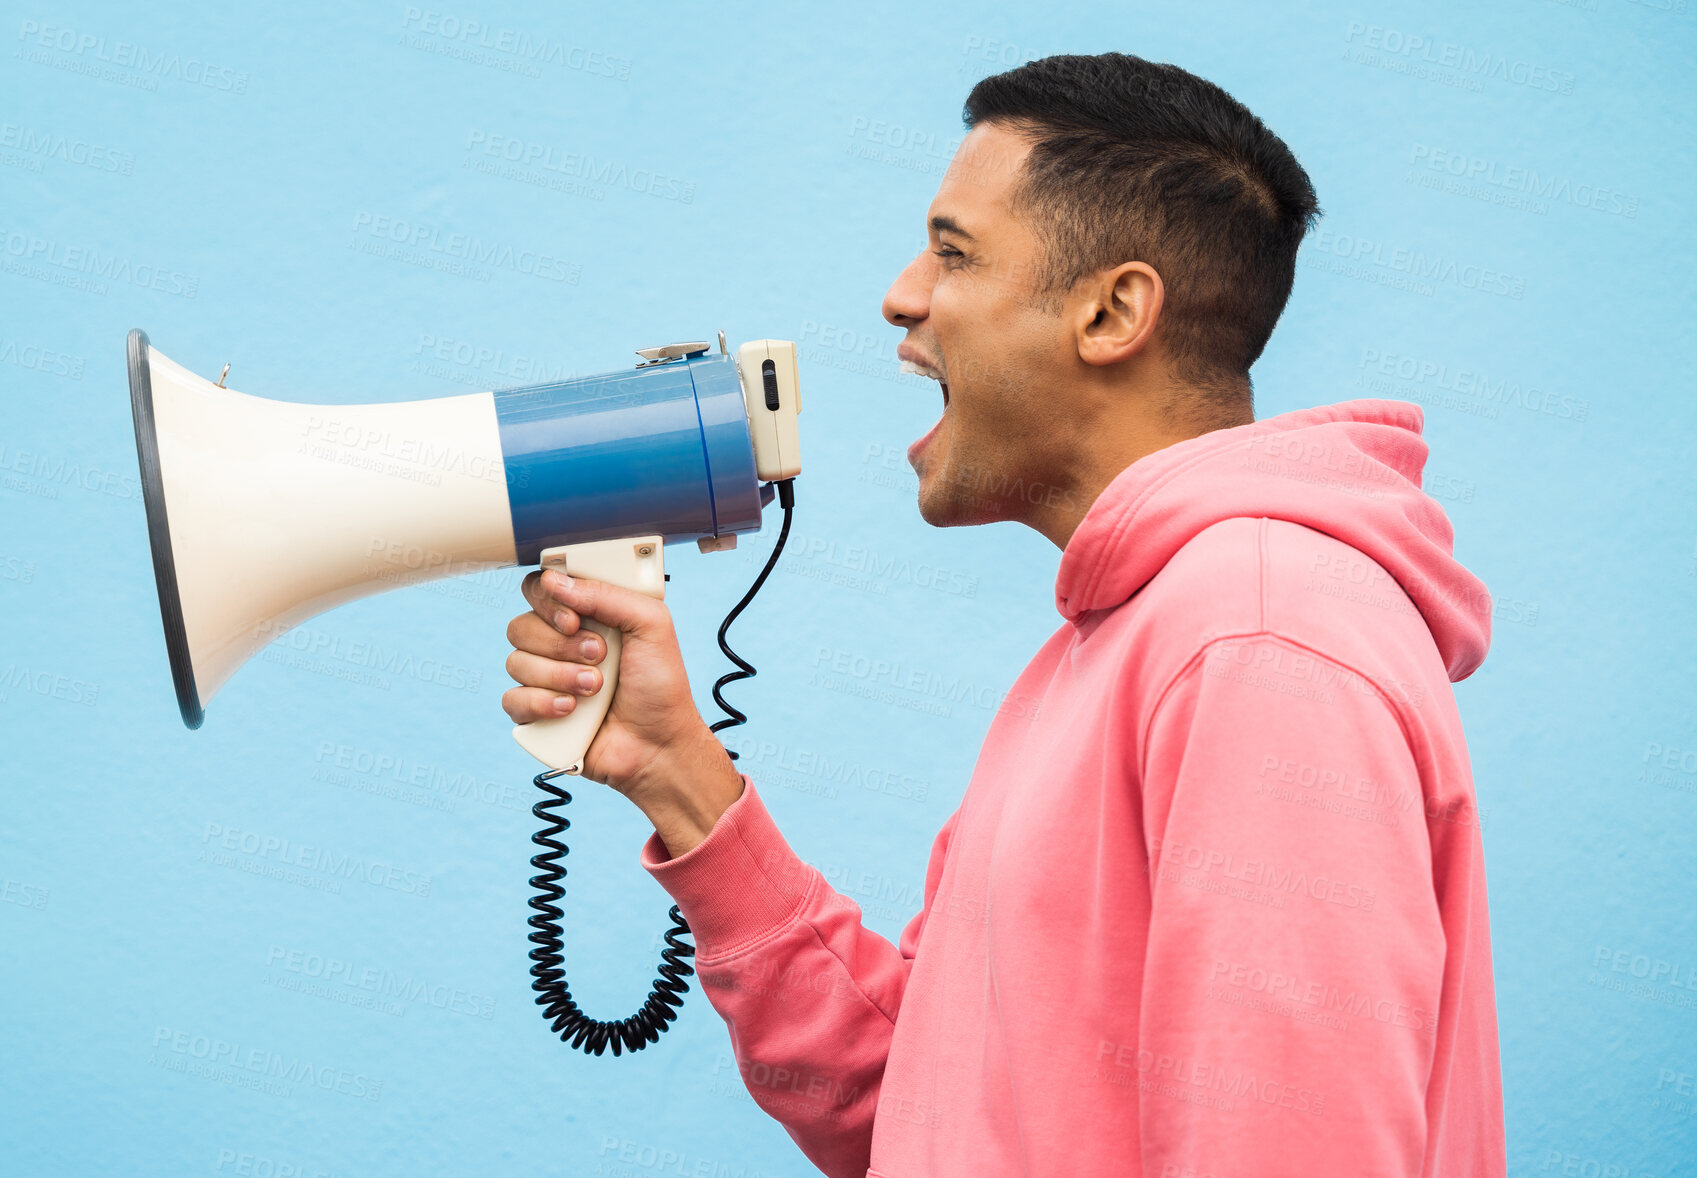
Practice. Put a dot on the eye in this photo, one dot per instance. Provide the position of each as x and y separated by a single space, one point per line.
948 251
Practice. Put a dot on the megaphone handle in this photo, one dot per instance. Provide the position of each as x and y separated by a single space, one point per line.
562 742
637 563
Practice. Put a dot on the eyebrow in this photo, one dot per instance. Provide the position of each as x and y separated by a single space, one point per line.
942 223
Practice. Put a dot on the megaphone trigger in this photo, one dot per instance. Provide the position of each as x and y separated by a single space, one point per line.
638 563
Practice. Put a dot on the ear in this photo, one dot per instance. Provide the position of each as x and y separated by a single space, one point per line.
1117 316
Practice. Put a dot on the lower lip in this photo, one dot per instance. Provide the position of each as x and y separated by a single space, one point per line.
914 450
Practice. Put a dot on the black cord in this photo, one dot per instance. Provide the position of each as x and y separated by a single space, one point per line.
566 1019
733 717
564 1016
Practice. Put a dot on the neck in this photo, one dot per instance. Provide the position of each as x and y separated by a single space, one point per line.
1116 446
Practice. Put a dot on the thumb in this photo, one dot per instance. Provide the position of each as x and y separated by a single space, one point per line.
635 613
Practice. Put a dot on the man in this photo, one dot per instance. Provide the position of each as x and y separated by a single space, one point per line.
1214 900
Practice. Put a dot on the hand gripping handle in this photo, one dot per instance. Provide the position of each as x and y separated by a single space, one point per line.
635 562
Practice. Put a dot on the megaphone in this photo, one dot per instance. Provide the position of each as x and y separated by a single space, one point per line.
262 514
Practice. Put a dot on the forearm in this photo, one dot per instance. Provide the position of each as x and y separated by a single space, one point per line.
685 789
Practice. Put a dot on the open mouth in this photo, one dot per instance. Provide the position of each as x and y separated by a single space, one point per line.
929 374
914 450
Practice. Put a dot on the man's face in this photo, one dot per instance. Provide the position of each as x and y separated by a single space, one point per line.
1005 436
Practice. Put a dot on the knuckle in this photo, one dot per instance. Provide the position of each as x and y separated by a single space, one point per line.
538 638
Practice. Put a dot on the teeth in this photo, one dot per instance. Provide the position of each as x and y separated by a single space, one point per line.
921 370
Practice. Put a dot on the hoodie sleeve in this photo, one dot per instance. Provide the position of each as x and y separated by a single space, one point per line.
1295 953
809 994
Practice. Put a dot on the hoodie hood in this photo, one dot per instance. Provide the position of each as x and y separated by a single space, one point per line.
1351 470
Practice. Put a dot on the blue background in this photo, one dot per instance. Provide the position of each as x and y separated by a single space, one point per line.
765 170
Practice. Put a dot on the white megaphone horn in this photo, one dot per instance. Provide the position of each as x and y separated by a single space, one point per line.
262 514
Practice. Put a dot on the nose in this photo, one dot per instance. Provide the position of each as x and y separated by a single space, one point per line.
908 301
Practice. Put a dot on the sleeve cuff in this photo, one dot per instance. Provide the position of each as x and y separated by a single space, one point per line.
739 883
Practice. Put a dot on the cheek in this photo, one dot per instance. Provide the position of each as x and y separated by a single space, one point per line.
950 305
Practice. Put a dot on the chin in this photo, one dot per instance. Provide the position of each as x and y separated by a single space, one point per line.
936 509
941 510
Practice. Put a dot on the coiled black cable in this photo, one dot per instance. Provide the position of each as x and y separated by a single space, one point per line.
733 717
565 1017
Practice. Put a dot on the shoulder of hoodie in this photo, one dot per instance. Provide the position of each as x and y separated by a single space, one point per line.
1254 578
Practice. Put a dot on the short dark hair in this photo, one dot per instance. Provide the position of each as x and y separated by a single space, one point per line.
1138 160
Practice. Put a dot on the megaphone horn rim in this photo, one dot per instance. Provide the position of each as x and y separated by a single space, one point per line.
159 531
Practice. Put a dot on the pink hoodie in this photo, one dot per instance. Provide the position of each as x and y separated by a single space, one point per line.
1213 903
